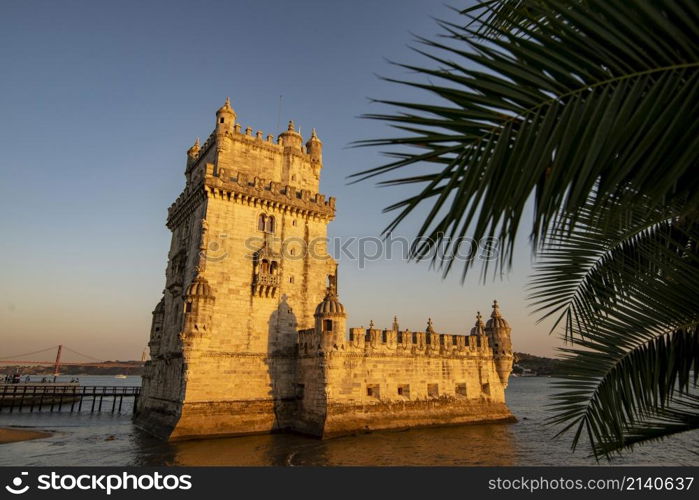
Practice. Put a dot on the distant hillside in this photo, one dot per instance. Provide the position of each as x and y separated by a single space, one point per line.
528 364
525 364
136 369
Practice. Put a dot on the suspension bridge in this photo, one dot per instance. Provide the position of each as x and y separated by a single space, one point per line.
18 396
57 363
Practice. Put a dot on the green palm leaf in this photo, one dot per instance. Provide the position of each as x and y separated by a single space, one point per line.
580 102
628 301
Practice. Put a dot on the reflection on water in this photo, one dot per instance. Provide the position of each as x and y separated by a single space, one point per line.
106 439
463 445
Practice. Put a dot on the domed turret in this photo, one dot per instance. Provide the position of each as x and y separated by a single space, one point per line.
198 308
479 327
156 328
225 117
314 147
193 153
199 288
496 320
330 306
498 331
160 307
291 138
330 313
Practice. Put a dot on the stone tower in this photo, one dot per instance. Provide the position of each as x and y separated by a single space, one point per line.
498 331
330 316
246 269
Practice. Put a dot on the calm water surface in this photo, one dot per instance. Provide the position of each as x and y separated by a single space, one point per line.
106 439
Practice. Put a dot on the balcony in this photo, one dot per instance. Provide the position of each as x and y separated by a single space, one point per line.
265 284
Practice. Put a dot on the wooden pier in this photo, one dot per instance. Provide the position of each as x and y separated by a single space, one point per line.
71 398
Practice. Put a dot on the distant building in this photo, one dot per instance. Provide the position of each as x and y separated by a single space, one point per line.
250 335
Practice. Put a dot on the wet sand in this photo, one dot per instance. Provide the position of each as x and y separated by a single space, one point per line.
12 435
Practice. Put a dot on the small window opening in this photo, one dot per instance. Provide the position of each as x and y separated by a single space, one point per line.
433 390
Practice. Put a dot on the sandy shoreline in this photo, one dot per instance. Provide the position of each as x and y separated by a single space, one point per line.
12 435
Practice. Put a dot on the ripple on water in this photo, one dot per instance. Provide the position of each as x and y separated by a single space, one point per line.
105 439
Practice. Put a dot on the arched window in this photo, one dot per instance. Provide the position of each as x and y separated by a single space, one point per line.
266 223
273 267
264 266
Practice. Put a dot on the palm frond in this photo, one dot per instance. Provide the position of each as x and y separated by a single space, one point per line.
489 15
627 299
580 106
586 268
640 387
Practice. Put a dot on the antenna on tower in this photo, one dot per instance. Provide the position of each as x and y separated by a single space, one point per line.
279 110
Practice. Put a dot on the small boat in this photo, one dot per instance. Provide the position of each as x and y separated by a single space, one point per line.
119 376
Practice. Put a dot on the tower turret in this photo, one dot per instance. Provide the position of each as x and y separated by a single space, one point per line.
498 331
479 327
330 316
156 329
290 138
193 153
478 330
314 147
198 308
225 118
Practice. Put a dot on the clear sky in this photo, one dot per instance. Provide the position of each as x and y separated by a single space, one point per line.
99 100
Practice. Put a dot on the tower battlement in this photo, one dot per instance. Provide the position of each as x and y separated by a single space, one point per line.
241 187
275 144
370 341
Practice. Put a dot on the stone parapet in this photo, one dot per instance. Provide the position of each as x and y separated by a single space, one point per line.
374 341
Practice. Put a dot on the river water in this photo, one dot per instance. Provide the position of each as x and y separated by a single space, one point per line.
111 439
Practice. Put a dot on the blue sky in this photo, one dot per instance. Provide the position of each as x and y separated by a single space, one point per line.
99 102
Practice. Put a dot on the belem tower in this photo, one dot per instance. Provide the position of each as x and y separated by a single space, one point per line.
250 334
